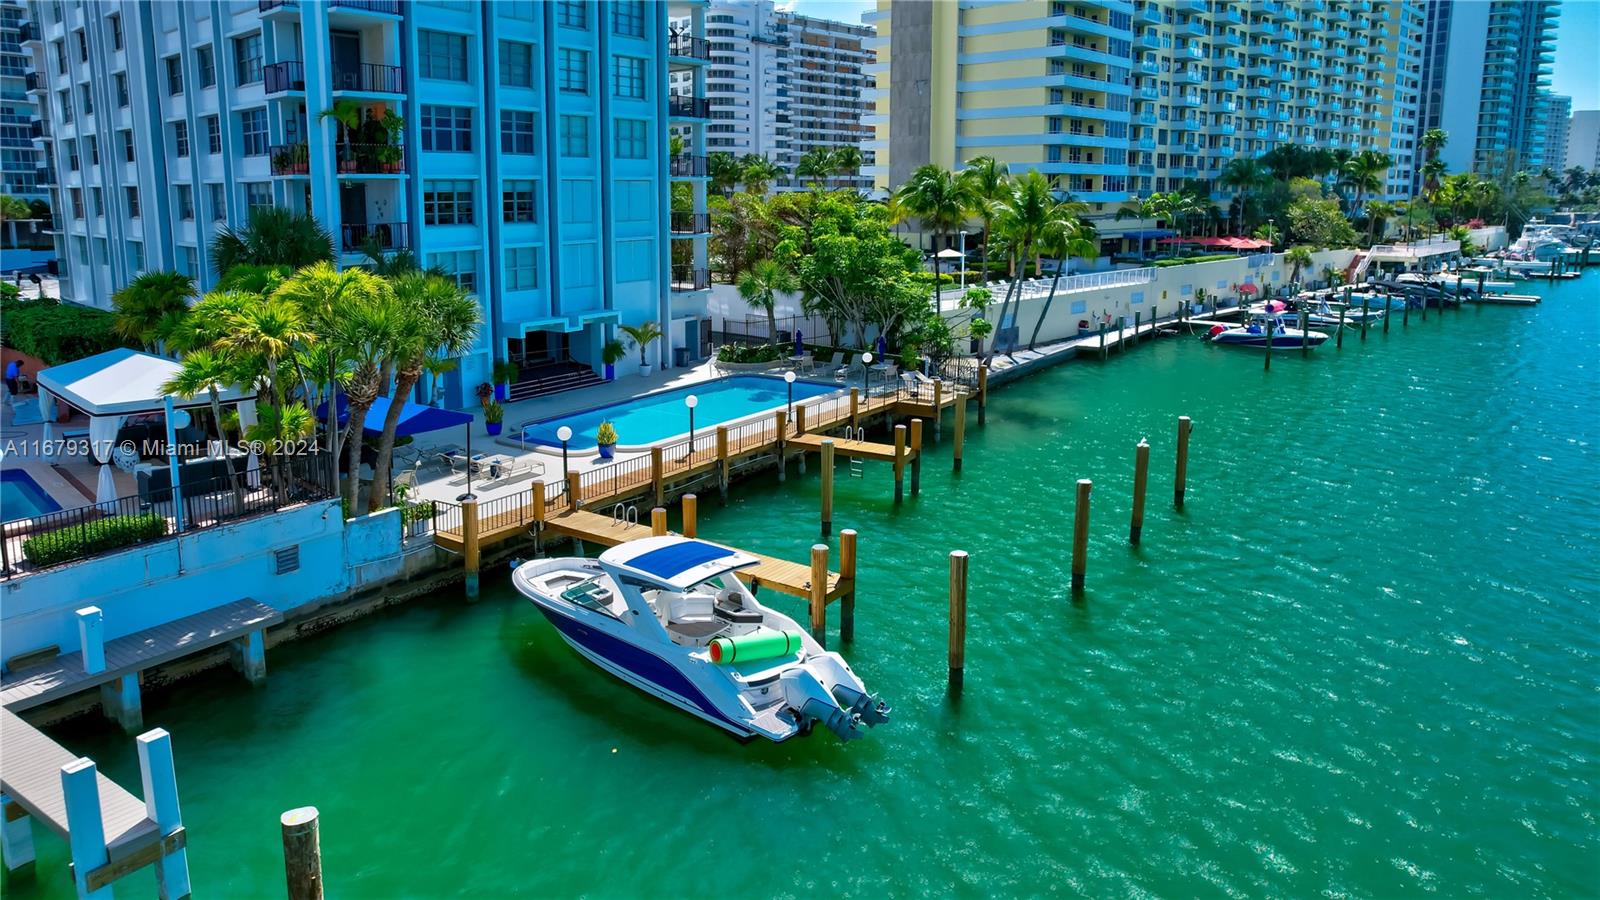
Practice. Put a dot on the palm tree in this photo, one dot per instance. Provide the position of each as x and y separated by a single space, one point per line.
987 179
1364 172
149 308
1153 208
760 288
816 164
440 319
1245 176
757 172
368 332
724 171
347 113
274 237
203 370
846 160
642 335
1300 258
1069 235
1023 218
940 200
1378 211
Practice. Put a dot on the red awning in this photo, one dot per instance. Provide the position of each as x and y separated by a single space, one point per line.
1247 289
1226 243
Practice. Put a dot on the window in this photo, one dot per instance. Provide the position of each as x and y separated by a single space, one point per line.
114 27
520 202
174 75
522 268
627 76
206 62
460 266
572 14
444 56
247 58
94 151
447 128
77 203
253 128
88 99
631 139
136 256
184 197
83 45
127 145
72 156
122 90
574 136
217 196
98 197
518 133
257 195
180 138
627 17
516 9
447 203
213 135
132 194
191 262
516 64
574 70
64 100
61 56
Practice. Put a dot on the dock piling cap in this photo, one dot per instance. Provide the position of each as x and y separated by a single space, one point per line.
299 816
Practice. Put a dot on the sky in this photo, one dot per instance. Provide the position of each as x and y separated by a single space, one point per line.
1577 72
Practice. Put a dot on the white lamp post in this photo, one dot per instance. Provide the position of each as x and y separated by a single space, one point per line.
565 434
691 401
963 261
788 378
866 370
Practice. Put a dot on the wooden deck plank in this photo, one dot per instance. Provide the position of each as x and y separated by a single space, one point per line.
847 447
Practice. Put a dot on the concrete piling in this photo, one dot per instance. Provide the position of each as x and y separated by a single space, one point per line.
958 618
86 831
1080 535
160 781
1141 472
302 853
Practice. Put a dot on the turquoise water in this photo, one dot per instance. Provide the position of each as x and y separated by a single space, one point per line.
22 498
1361 663
658 416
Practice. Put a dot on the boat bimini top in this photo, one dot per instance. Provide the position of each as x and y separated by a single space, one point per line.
672 562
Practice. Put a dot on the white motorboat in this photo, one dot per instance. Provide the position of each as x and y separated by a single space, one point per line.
668 616
1263 331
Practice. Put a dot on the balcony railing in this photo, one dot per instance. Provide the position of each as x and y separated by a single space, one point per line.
266 6
30 32
688 278
387 7
371 159
43 175
288 75
36 128
35 82
689 107
290 159
686 165
370 78
355 237
691 223
688 46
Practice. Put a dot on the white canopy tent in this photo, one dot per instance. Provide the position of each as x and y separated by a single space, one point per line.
114 385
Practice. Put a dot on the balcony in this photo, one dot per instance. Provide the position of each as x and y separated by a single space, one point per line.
44 176
354 237
1266 29
1148 93
683 45
686 165
1223 150
369 78
1229 83
384 7
271 6
371 159
1192 76
690 223
1191 28
36 129
1149 67
29 33
1188 123
36 82
688 107
1186 99
290 159
1147 118
1147 143
1231 39
1148 40
688 278
288 75
1148 15
1223 128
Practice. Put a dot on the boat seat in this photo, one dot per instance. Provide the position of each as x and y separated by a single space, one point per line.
690 608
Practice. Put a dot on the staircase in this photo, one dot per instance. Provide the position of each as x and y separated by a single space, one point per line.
552 378
1357 269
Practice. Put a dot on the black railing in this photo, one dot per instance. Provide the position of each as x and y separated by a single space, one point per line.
290 159
266 6
689 278
691 223
30 32
35 81
686 165
377 235
287 75
43 175
36 128
688 46
689 107
370 78
387 7
371 159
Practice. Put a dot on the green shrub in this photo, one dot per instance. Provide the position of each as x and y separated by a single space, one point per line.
1184 261
416 512
752 353
56 332
92 538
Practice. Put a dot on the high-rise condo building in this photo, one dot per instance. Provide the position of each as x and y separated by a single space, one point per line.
520 146
1486 68
19 122
1583 140
1558 119
1115 99
781 84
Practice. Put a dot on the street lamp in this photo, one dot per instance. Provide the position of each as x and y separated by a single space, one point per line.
469 495
963 260
565 434
788 378
691 401
866 372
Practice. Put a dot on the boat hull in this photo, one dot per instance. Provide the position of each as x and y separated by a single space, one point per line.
1259 341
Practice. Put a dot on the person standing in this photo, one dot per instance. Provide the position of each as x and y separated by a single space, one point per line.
13 372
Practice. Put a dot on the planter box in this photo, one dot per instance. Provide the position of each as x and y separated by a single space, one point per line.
751 367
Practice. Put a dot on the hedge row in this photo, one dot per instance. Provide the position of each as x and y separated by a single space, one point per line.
56 332
1207 257
92 538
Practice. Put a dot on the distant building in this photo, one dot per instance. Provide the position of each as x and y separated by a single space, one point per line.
1583 140
20 125
1556 127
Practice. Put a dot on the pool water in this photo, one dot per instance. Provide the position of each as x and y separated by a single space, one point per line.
655 417
22 498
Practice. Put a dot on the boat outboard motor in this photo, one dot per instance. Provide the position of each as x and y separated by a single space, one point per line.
806 695
871 710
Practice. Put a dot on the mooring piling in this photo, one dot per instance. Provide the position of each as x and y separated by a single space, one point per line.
983 394
691 510
958 617
1388 313
916 457
827 487
302 853
781 418
847 573
899 462
1405 317
1080 535
819 593
1305 330
961 431
1339 340
1141 472
658 521
1181 478
469 546
1366 313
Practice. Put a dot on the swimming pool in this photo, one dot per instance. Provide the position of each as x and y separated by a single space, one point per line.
22 498
654 417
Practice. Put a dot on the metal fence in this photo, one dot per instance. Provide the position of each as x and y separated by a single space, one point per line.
757 330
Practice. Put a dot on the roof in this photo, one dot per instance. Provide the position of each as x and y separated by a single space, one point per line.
675 562
122 382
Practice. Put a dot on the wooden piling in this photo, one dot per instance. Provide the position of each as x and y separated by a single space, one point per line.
983 394
1305 330
961 429
574 491
800 418
1405 317
1366 312
691 512
536 498
469 546
1271 329
1080 535
1388 313
781 417
958 617
847 571
916 457
938 409
1136 321
1339 341
722 461
1141 473
819 593
1102 341
1181 479
302 853
827 487
658 522
899 462
855 407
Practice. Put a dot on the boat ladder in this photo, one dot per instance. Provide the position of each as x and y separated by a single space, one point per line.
624 515
858 466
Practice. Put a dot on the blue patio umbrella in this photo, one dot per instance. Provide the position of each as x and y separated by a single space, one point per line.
799 342
414 417
883 347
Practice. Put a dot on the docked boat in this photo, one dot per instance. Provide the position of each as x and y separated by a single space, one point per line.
668 616
1263 331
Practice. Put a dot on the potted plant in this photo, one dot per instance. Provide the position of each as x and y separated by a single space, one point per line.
643 336
611 354
980 328
392 155
493 417
485 393
505 372
606 437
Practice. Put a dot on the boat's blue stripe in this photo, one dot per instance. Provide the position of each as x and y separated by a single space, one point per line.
640 662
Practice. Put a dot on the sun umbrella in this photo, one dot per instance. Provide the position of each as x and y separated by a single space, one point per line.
950 254
252 470
883 346
1247 289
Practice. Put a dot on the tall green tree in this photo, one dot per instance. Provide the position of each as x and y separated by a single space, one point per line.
1154 208
846 160
368 332
207 370
1069 234
151 306
724 172
940 200
1024 218
273 237
761 286
987 181
1245 176
1298 258
757 172
815 164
